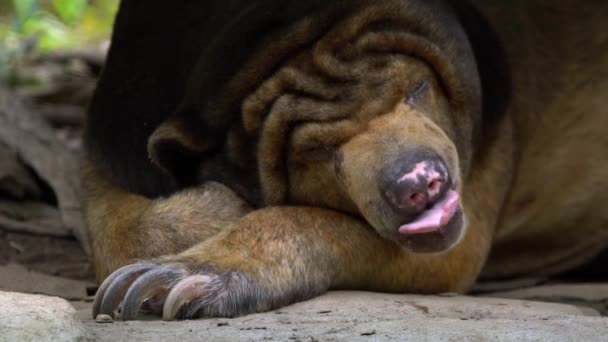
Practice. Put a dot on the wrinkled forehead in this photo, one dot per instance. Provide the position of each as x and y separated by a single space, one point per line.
323 93
264 36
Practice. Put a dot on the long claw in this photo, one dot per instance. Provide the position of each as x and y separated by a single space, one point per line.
152 283
194 286
103 288
119 286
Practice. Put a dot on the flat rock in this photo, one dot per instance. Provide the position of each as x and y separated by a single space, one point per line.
362 316
37 318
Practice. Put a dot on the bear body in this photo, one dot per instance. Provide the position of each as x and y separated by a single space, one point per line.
281 149
559 63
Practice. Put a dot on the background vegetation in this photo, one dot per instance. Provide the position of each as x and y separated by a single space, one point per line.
31 27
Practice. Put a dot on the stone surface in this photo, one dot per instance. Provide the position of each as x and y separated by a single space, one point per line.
361 316
25 318
101 318
337 316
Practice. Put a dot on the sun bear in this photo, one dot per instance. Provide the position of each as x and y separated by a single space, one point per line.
242 156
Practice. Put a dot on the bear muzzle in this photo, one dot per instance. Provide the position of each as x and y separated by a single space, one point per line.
418 188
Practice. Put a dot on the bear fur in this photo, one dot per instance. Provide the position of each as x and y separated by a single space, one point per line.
241 156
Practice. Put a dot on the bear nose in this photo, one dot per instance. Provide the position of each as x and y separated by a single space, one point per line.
414 182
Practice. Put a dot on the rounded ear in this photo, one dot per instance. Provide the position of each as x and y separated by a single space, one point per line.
177 148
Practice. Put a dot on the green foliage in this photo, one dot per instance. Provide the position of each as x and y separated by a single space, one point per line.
33 26
24 9
69 11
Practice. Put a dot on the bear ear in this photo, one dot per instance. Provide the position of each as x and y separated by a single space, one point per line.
177 149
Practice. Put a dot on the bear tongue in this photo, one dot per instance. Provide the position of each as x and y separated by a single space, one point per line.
434 218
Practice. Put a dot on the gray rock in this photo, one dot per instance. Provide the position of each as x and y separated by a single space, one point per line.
37 318
361 316
101 318
337 316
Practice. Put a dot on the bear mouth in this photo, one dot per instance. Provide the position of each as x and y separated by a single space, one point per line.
434 218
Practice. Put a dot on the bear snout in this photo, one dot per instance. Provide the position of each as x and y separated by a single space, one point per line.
414 182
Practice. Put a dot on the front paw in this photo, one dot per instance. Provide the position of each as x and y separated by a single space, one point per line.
177 290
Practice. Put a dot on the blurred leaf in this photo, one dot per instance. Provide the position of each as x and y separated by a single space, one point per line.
50 32
24 9
70 11
28 27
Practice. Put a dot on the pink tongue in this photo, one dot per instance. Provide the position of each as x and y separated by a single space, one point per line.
434 218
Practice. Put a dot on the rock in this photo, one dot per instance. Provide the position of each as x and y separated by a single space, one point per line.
101 318
37 318
18 278
362 316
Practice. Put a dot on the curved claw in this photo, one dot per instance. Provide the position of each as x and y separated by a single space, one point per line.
103 288
194 286
119 286
155 282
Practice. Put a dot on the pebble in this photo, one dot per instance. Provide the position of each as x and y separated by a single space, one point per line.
102 318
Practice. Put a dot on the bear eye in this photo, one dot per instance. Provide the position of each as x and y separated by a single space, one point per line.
318 154
418 91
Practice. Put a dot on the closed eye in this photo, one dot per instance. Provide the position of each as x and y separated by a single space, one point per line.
417 92
318 154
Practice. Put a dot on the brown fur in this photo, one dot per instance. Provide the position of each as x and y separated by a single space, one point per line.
558 196
319 128
136 227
